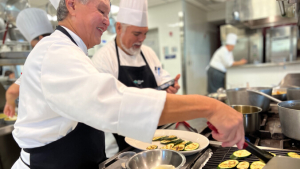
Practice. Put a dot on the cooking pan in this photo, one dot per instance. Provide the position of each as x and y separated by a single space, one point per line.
240 96
293 93
289 114
280 93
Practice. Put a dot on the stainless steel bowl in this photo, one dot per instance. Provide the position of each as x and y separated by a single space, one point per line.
153 158
252 119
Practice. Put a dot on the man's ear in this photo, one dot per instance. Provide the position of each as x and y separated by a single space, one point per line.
118 28
71 6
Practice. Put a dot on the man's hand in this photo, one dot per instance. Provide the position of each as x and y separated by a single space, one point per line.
9 109
229 124
174 90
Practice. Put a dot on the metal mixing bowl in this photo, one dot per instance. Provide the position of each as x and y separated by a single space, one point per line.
153 158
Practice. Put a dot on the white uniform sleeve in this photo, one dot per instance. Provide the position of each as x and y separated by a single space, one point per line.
18 81
101 62
163 76
227 59
74 89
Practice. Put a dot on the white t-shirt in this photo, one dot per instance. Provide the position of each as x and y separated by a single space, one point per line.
222 59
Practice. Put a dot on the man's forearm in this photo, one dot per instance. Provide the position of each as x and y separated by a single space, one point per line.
186 107
12 93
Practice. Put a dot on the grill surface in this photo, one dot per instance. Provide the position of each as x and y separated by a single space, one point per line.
223 154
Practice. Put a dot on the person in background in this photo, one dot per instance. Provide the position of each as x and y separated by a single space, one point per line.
10 74
132 63
221 60
34 25
66 103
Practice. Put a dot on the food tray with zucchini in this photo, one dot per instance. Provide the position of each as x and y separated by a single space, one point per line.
227 158
186 142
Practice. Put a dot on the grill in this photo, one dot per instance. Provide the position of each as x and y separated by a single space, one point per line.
223 154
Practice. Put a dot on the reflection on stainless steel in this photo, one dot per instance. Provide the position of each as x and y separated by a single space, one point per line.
293 93
153 158
291 80
240 96
283 162
289 113
249 45
251 117
281 44
251 14
12 9
200 163
263 94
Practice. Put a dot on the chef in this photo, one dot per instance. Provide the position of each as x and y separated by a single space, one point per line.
132 63
66 104
33 23
221 60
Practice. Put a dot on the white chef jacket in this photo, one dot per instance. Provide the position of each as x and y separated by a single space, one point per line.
18 81
222 59
105 60
61 87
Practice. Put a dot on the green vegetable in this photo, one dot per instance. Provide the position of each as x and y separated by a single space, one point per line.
192 146
169 146
228 164
240 155
159 138
152 147
243 165
179 147
171 138
257 165
293 155
176 141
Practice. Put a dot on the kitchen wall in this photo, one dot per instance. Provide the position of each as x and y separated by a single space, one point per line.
166 20
200 43
259 76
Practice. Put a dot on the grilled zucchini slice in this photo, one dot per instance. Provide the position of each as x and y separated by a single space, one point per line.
172 137
293 155
228 164
179 147
240 155
257 165
243 165
159 138
152 147
192 146
176 141
169 146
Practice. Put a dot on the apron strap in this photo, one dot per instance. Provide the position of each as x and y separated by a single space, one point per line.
64 31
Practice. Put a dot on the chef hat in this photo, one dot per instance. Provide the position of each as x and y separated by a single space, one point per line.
231 39
33 22
133 12
55 3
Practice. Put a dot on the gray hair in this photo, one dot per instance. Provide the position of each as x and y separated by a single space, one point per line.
62 10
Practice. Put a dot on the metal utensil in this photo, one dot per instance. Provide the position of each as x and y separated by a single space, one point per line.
203 159
280 162
263 94
153 158
251 117
261 154
187 125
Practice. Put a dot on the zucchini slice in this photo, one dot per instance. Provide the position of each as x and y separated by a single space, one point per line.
257 165
228 164
240 154
152 147
189 142
243 165
176 141
172 137
192 146
169 146
179 147
293 155
159 138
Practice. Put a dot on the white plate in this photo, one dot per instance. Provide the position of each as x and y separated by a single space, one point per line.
185 135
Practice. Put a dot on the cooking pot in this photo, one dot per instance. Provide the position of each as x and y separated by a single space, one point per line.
252 119
293 93
289 114
240 96
280 93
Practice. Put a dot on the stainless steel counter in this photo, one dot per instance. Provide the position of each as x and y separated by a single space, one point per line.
265 65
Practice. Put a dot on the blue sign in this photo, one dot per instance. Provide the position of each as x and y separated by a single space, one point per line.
170 56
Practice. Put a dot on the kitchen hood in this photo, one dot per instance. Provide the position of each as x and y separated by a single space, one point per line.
255 14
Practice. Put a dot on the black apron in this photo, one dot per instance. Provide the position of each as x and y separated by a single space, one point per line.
82 148
215 79
141 77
